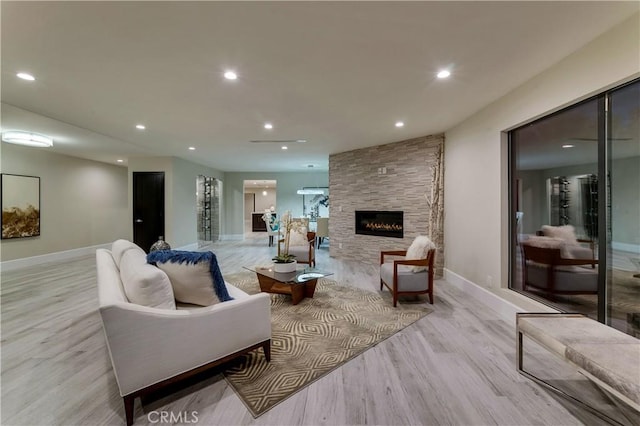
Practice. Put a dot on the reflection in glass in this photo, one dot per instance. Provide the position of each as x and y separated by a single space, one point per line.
569 171
623 211
555 169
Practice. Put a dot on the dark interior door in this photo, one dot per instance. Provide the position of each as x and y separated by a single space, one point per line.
148 208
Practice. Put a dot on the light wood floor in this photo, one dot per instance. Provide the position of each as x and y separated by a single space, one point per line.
456 366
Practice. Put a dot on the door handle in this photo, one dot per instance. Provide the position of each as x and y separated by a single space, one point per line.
138 220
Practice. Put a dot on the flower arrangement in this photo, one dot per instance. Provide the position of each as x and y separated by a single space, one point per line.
285 226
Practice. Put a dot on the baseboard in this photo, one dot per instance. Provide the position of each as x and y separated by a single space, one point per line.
10 265
232 237
188 247
630 248
504 308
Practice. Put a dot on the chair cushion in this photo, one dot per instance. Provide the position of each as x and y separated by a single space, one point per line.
407 279
300 252
195 276
145 284
419 249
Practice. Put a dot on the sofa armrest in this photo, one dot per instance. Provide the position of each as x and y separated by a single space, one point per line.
148 345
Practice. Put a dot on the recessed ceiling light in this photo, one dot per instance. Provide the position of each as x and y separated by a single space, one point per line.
264 193
192 148
568 146
301 140
120 160
399 124
268 126
20 137
284 147
230 75
25 76
444 74
140 126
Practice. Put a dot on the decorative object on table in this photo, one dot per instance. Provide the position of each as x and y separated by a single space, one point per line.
313 338
161 244
20 206
283 261
273 227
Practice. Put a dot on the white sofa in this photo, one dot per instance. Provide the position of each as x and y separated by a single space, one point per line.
151 347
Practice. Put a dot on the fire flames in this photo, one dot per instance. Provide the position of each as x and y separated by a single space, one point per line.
379 226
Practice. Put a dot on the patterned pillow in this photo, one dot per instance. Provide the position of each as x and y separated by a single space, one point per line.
298 237
195 276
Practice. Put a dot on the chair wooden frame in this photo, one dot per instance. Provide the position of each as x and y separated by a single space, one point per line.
552 258
393 287
311 238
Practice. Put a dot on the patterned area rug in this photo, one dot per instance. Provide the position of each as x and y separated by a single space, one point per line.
312 338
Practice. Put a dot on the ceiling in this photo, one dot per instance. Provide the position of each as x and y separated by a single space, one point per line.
336 74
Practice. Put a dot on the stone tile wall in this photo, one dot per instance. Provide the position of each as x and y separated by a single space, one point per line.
358 181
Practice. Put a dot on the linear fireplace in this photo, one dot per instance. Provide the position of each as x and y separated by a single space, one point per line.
380 223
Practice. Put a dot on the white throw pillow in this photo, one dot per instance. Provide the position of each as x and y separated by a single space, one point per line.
119 247
195 276
567 233
145 284
191 282
419 249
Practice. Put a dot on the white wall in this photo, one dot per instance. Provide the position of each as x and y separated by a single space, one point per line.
476 158
179 195
83 203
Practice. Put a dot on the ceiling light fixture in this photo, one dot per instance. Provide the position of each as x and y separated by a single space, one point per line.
310 191
192 148
140 126
301 140
568 146
120 160
268 126
399 124
25 76
264 193
20 137
443 74
284 147
230 75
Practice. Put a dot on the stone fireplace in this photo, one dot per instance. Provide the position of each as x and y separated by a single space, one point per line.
380 223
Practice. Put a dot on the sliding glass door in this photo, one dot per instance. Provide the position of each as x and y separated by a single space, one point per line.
575 208
622 307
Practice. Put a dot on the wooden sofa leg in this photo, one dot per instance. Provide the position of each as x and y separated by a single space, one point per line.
266 347
128 408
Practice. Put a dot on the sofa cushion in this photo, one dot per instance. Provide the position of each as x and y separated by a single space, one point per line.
195 276
419 249
119 247
145 284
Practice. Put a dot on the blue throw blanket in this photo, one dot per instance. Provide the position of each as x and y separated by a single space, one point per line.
193 257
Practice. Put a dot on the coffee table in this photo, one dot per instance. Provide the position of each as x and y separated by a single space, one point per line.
299 284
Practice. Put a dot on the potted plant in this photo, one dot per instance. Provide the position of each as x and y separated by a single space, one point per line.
285 262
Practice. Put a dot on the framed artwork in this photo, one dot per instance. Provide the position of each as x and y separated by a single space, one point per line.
20 206
316 205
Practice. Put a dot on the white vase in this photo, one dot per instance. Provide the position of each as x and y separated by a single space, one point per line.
285 267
